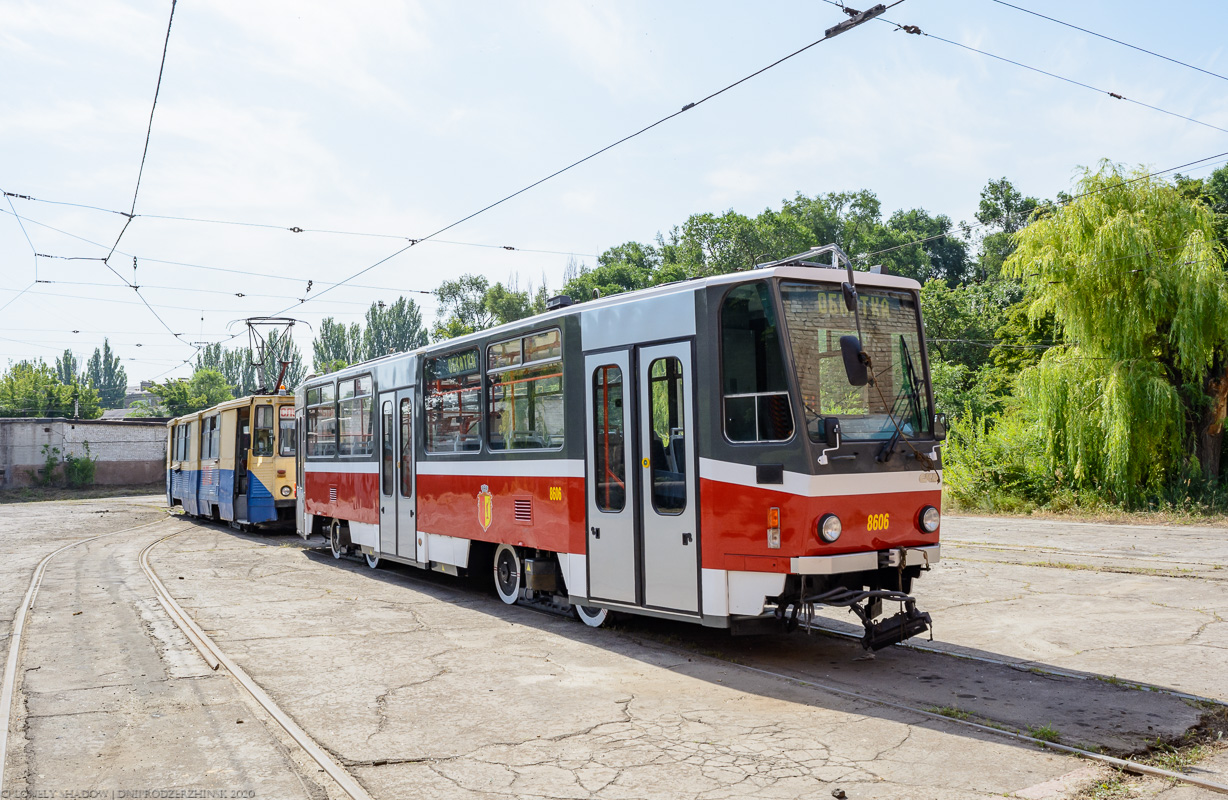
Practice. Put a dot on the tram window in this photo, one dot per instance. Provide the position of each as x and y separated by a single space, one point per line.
453 402
667 436
210 438
525 403
815 318
355 407
609 455
407 448
387 442
753 378
286 430
543 346
262 443
321 421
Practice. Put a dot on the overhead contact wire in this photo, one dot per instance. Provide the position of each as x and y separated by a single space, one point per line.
1111 39
827 35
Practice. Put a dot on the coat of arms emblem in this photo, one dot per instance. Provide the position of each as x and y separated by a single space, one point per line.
486 507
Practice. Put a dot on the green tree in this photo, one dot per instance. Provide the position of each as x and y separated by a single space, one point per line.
1134 402
67 367
1004 211
393 328
462 307
336 346
104 374
32 389
206 388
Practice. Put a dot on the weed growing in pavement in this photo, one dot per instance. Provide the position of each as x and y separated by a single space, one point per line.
1046 733
1113 787
949 711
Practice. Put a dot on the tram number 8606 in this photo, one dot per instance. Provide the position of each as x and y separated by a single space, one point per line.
877 522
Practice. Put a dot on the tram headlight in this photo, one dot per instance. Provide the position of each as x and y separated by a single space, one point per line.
929 519
285 491
829 528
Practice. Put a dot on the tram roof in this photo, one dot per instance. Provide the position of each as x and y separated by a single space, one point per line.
690 285
225 405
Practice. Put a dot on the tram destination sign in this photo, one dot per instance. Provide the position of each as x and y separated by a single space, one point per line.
463 363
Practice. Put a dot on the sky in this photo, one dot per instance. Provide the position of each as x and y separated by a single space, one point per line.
393 120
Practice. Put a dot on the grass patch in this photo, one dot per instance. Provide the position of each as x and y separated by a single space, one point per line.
1046 733
41 494
949 711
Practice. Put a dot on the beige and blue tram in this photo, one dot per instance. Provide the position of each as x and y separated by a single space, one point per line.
234 462
731 450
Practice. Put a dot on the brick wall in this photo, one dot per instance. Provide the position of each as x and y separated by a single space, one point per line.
128 452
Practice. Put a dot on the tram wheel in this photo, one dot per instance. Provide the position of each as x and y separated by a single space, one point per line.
334 540
372 559
507 574
592 616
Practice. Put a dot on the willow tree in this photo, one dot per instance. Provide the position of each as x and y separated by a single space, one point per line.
1133 402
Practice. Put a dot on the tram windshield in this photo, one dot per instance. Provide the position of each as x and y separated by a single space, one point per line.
815 318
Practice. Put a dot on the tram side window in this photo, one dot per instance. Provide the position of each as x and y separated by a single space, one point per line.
407 448
453 402
321 422
210 438
525 404
667 436
262 443
387 454
355 412
609 455
753 376
286 430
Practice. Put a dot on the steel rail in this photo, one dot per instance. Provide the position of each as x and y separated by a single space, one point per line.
15 638
1031 666
1125 764
214 655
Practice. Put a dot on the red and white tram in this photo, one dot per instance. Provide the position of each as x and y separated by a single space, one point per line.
728 450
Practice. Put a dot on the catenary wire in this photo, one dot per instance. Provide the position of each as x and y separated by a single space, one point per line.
827 35
915 30
1110 39
1046 204
297 229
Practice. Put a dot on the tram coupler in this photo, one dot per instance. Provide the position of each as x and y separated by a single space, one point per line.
902 625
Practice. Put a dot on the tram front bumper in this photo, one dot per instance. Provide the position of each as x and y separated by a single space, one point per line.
864 562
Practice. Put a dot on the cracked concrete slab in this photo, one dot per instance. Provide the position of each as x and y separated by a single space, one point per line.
475 699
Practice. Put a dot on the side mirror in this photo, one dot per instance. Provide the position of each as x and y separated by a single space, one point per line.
850 295
831 431
854 365
940 426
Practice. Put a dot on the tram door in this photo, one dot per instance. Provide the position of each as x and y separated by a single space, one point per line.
612 563
300 486
397 522
642 512
667 469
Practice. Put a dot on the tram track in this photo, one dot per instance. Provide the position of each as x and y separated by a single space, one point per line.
216 658
8 682
213 656
1124 764
1028 666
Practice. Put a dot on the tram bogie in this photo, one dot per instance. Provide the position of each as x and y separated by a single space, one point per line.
235 462
701 451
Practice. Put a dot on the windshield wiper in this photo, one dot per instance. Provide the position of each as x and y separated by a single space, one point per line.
910 394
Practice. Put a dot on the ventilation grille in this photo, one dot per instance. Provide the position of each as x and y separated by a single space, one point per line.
523 510
332 494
